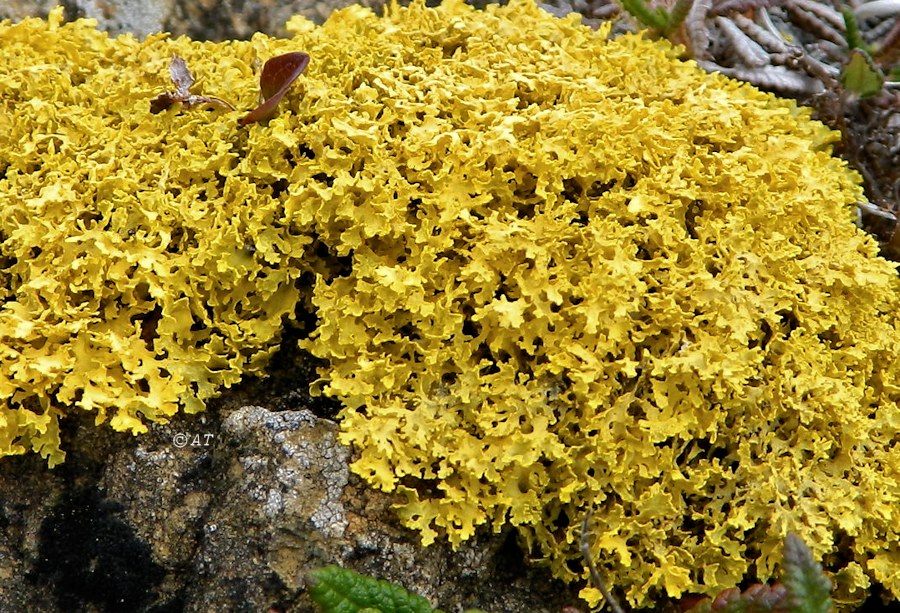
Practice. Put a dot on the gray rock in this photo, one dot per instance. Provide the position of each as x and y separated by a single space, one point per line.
140 17
200 19
17 10
227 511
278 509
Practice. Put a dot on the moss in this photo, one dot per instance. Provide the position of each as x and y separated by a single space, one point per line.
581 274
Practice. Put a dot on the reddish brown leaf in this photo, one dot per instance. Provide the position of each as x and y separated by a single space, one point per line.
277 76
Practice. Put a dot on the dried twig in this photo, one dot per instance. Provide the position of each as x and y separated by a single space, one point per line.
747 50
696 30
878 8
595 574
811 21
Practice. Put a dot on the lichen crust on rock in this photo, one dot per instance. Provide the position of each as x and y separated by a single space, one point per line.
564 273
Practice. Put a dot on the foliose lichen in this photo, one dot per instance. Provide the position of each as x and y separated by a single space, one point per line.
582 274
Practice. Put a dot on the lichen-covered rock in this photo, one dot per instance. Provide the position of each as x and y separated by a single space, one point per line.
182 519
284 487
552 272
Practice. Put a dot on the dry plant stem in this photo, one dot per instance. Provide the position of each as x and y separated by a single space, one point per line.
696 31
775 78
791 56
727 7
595 574
770 46
812 67
607 11
746 49
879 8
877 31
871 209
889 49
767 37
824 12
679 12
815 23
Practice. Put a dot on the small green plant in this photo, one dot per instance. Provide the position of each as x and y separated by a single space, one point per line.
183 81
860 74
808 589
659 18
340 590
804 589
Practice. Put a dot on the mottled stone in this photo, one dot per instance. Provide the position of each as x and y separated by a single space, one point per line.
18 10
200 19
140 17
227 511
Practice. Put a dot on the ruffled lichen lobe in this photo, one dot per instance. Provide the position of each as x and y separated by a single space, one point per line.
564 272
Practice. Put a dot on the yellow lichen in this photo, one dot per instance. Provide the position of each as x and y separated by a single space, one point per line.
582 274
145 263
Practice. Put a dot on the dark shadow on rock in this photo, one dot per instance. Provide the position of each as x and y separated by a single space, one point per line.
91 557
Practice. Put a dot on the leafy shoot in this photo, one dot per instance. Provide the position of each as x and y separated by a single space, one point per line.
183 80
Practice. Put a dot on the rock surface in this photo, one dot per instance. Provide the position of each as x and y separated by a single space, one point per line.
200 19
228 511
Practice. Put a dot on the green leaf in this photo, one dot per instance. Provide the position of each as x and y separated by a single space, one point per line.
851 27
339 590
808 589
652 18
679 13
861 75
